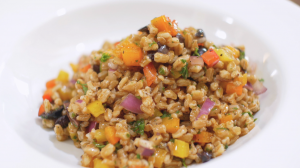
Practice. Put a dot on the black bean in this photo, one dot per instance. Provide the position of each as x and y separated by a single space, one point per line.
150 54
163 49
205 156
96 68
180 38
201 50
63 121
56 113
144 29
200 33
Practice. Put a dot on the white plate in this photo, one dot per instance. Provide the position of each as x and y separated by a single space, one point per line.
40 39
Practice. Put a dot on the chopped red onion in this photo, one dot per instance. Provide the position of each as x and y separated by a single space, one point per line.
259 88
132 104
206 107
145 151
79 101
111 70
196 60
252 68
73 81
73 120
248 86
92 126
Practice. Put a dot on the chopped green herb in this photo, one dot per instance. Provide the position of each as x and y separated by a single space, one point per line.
177 112
100 146
214 109
139 97
245 125
215 46
172 140
196 52
150 44
199 132
163 88
104 57
73 115
161 71
226 146
74 137
118 146
223 128
183 60
165 114
199 105
128 135
261 80
183 162
255 119
184 32
136 60
248 114
208 150
139 126
184 71
235 108
170 23
205 69
84 87
138 156
242 55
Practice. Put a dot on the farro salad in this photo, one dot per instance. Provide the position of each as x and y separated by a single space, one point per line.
164 97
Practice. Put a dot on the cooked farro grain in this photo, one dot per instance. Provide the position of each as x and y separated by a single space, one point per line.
150 101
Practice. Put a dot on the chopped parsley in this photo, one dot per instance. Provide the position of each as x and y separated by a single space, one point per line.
255 119
245 125
215 46
136 60
184 71
74 137
118 146
183 162
104 57
196 52
150 44
214 109
84 87
199 105
242 55
208 150
139 126
235 108
170 23
183 60
226 146
223 128
161 71
139 97
261 80
184 32
100 146
138 156
248 114
199 132
172 140
165 114
128 135
163 88
73 115
177 112
205 69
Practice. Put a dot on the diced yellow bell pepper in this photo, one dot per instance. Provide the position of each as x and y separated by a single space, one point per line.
74 67
242 79
96 108
224 56
157 113
158 157
63 76
180 149
98 164
65 93
175 74
172 124
235 52
100 135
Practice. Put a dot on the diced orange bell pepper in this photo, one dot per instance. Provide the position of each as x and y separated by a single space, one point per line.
131 53
41 110
47 95
231 88
164 24
50 84
172 124
110 134
203 137
242 79
180 149
210 57
158 157
225 119
150 73
85 68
